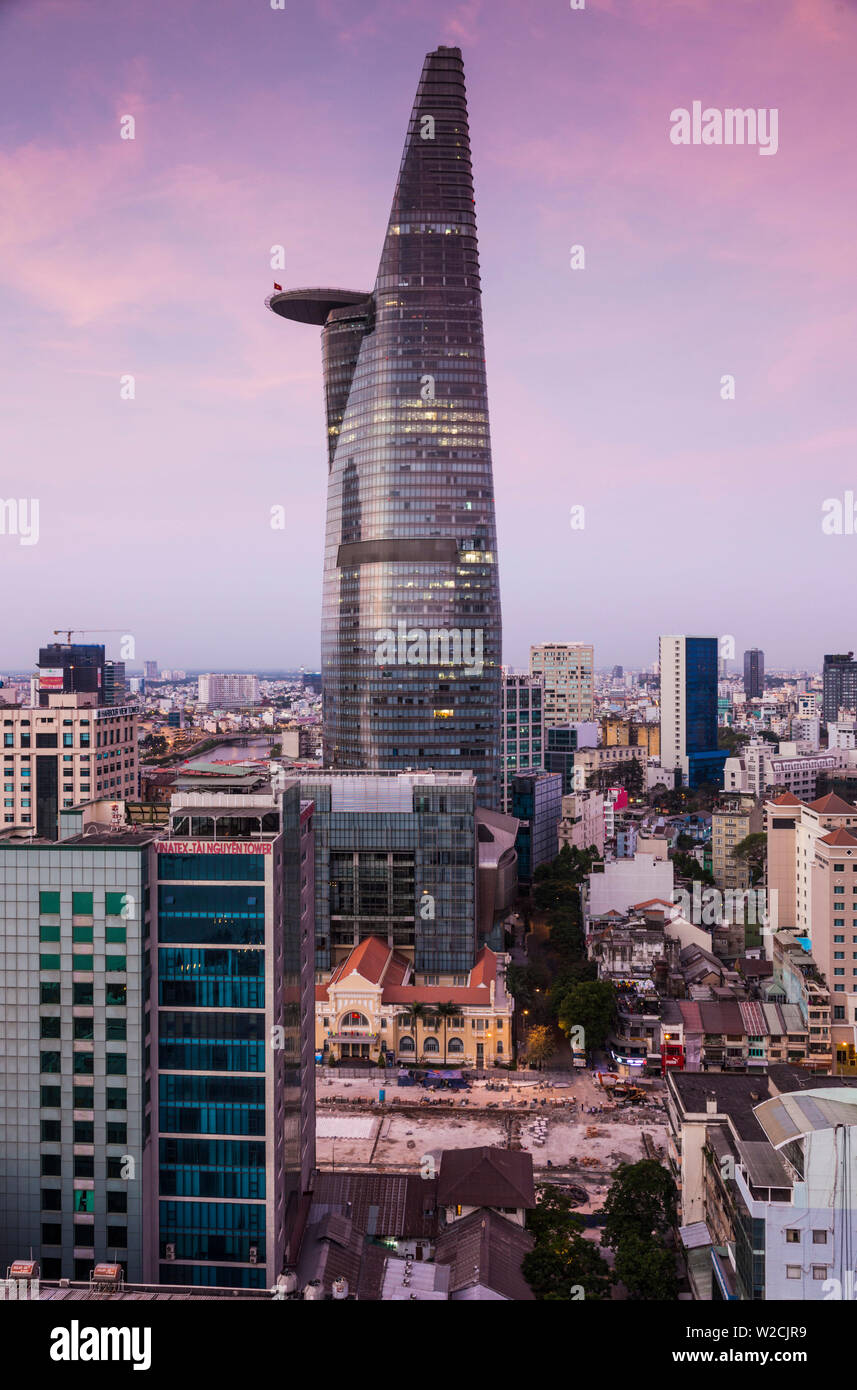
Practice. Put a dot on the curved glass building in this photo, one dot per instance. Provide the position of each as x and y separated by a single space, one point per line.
411 610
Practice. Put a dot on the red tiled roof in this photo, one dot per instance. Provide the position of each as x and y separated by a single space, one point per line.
838 837
369 959
832 805
787 799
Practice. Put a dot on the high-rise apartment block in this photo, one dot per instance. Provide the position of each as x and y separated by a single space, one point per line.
754 674
567 671
839 682
689 709
411 599
220 691
150 670
523 728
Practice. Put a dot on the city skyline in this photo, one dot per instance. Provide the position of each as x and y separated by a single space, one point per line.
604 382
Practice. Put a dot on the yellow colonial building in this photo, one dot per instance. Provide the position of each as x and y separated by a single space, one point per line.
371 1007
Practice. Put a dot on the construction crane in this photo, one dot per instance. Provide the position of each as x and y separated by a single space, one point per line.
67 631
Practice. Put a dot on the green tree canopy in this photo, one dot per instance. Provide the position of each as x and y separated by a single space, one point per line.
590 1004
646 1268
641 1201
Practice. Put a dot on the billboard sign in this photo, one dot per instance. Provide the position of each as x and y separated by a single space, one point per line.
51 678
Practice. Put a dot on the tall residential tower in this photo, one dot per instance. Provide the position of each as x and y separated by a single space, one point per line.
411 606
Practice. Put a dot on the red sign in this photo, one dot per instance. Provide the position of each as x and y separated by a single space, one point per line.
214 847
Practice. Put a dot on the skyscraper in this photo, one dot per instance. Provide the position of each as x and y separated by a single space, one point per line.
689 709
411 608
839 685
754 674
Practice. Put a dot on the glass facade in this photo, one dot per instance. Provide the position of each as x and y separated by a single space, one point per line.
411 609
705 761
523 729
403 867
537 802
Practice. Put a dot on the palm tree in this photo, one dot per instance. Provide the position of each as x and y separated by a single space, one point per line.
418 1011
446 1011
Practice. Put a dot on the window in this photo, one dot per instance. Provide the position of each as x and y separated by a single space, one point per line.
82 993
82 962
51 1199
80 934
50 1095
83 1028
114 963
49 933
117 1064
117 1201
49 993
83 1064
49 903
116 1030
793 1237
81 904
819 1237
118 1236
51 1166
83 1097
117 1132
50 1061
51 1131
84 1166
819 1271
117 1099
84 1200
84 1132
51 1234
49 1027
792 1271
51 962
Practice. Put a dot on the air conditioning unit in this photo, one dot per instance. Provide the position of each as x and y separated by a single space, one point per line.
171 1252
254 1254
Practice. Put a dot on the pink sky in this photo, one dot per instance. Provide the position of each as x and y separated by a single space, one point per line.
257 127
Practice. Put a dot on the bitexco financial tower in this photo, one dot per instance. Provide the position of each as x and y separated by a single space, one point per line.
411 626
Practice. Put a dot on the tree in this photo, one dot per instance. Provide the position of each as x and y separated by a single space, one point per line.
446 1011
646 1268
540 1044
589 1005
686 866
562 1261
752 850
418 1011
641 1201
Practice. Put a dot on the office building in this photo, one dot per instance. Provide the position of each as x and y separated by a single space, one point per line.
523 728
411 603
537 805
150 670
839 682
396 857
218 691
71 668
67 751
563 742
567 671
754 674
115 688
689 710
232 1125
73 920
